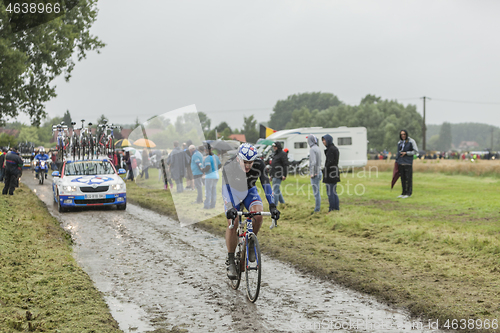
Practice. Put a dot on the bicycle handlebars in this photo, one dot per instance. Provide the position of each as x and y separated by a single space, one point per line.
252 214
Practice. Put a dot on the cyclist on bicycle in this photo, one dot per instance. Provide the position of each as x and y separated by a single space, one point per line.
240 174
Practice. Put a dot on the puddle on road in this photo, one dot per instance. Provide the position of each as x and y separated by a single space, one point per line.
157 275
128 315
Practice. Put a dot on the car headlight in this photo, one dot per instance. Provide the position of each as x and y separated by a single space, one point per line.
69 188
117 187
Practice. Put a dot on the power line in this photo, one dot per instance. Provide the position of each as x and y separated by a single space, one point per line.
450 100
409 98
215 111
230 110
468 102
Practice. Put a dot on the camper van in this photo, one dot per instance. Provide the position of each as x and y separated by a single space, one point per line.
351 141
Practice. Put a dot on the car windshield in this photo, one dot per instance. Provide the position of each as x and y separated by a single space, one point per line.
88 168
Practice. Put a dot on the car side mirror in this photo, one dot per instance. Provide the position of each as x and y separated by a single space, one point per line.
121 171
56 174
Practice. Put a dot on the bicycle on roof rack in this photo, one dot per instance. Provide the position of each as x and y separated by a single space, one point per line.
85 144
243 264
62 140
106 142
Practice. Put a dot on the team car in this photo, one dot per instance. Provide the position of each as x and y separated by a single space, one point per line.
88 183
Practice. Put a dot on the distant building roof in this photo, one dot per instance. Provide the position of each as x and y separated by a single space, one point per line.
238 137
10 131
468 144
125 132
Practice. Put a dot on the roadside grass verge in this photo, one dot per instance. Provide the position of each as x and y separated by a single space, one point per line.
43 289
436 253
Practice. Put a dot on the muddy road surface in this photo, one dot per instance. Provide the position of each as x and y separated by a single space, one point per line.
157 276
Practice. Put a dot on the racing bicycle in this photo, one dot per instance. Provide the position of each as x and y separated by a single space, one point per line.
85 141
74 142
106 142
243 264
62 140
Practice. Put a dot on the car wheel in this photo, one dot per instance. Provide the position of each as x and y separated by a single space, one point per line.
121 207
60 209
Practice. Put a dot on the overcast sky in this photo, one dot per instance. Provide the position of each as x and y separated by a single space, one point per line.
246 55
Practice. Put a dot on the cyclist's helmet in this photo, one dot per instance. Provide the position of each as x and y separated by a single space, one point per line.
247 152
42 150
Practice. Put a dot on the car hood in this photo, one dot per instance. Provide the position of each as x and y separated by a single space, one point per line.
92 180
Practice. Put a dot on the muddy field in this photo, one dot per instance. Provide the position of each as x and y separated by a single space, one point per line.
157 276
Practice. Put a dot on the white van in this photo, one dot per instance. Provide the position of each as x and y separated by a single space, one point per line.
351 141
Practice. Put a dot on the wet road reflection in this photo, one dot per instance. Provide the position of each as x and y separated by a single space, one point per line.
155 274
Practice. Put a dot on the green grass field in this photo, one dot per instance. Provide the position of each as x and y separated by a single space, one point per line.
436 253
43 289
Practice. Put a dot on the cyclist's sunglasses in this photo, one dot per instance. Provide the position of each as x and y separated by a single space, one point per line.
248 162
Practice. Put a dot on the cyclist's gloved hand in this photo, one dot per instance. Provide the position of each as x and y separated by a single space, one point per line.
231 214
275 213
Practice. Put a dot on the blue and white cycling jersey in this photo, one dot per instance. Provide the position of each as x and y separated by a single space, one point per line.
239 186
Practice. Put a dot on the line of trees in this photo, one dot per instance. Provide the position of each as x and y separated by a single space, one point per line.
31 58
383 119
446 136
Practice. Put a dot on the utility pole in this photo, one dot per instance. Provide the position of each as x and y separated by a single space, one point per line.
491 147
423 125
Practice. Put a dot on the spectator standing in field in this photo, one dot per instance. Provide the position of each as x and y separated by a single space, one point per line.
211 167
189 172
177 161
332 175
145 163
197 170
315 169
407 148
278 171
13 170
128 163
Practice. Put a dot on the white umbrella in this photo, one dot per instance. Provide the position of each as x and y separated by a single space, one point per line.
138 155
131 150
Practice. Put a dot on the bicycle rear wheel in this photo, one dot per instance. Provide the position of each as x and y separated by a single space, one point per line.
253 271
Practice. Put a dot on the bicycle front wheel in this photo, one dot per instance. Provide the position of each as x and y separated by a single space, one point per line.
253 269
237 260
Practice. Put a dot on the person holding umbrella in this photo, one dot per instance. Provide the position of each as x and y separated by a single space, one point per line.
145 164
128 162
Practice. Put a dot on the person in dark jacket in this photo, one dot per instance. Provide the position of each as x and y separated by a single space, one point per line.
278 173
177 161
331 174
13 170
188 173
407 148
128 162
